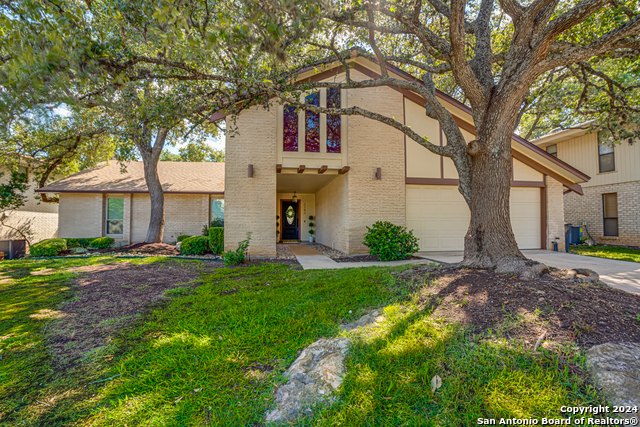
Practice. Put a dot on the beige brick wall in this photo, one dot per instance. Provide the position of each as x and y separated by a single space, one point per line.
80 215
36 226
32 202
589 208
373 145
250 203
183 214
555 213
332 214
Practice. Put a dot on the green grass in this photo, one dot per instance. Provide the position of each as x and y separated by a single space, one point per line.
611 252
201 359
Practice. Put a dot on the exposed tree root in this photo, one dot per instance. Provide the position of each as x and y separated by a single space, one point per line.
522 267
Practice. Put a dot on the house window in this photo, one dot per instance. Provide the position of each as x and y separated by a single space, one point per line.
217 209
553 150
290 134
610 214
115 215
333 122
24 171
312 125
606 160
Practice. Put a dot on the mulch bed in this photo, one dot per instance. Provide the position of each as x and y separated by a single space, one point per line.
365 258
143 248
112 296
567 311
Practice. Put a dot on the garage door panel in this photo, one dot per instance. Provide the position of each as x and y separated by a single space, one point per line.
439 217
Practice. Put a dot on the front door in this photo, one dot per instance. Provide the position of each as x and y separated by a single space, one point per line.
290 221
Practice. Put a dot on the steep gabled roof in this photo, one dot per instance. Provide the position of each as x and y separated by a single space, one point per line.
176 178
522 149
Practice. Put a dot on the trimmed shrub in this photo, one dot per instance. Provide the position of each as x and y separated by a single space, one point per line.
310 231
216 240
182 237
195 245
390 242
101 242
72 243
86 242
236 257
49 247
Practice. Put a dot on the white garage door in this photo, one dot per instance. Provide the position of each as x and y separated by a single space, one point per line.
439 216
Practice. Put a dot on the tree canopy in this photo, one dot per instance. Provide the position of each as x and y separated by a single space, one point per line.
529 65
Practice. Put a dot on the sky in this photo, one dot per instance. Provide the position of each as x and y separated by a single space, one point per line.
216 143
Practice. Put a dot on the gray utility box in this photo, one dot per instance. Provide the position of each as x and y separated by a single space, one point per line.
13 249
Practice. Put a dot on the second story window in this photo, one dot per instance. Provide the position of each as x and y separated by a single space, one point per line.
606 160
553 150
312 125
290 133
333 122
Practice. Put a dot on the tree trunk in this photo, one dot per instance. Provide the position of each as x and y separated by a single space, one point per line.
150 156
490 242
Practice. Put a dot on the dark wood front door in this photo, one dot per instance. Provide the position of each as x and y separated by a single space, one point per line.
290 221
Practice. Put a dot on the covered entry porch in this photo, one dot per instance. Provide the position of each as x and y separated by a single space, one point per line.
306 205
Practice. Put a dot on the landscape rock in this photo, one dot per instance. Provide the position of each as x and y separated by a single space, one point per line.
80 250
366 320
178 245
583 275
616 369
313 378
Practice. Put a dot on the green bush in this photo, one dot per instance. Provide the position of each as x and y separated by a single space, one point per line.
86 242
195 245
49 247
217 222
310 231
101 242
182 237
79 243
72 243
390 242
216 240
236 257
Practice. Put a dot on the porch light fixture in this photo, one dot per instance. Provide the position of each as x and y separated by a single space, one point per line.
294 199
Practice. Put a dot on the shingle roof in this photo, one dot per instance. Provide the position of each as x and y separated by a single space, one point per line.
176 177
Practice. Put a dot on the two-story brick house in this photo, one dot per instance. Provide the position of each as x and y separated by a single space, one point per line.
610 206
345 172
37 219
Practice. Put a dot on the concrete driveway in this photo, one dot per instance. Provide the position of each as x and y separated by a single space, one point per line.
619 274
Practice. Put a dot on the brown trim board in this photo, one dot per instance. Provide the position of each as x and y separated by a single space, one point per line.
543 215
455 181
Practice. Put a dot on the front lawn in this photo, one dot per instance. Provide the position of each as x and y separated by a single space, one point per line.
213 354
612 252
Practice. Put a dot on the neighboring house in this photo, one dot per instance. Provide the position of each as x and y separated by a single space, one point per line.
610 207
345 172
36 219
103 201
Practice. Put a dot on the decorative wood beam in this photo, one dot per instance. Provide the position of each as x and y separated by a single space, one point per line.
278 168
300 168
322 169
344 170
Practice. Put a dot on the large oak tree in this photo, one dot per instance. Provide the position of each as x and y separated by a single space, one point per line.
494 56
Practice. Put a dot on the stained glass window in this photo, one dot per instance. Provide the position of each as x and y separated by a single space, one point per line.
312 125
333 122
290 135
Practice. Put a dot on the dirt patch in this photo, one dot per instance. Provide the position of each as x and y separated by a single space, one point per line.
109 297
365 258
561 310
112 296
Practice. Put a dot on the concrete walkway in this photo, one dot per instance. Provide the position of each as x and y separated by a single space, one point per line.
623 275
311 259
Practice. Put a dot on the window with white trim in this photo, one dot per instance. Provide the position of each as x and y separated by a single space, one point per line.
115 215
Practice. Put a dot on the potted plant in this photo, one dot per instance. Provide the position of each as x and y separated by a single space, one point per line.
311 236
